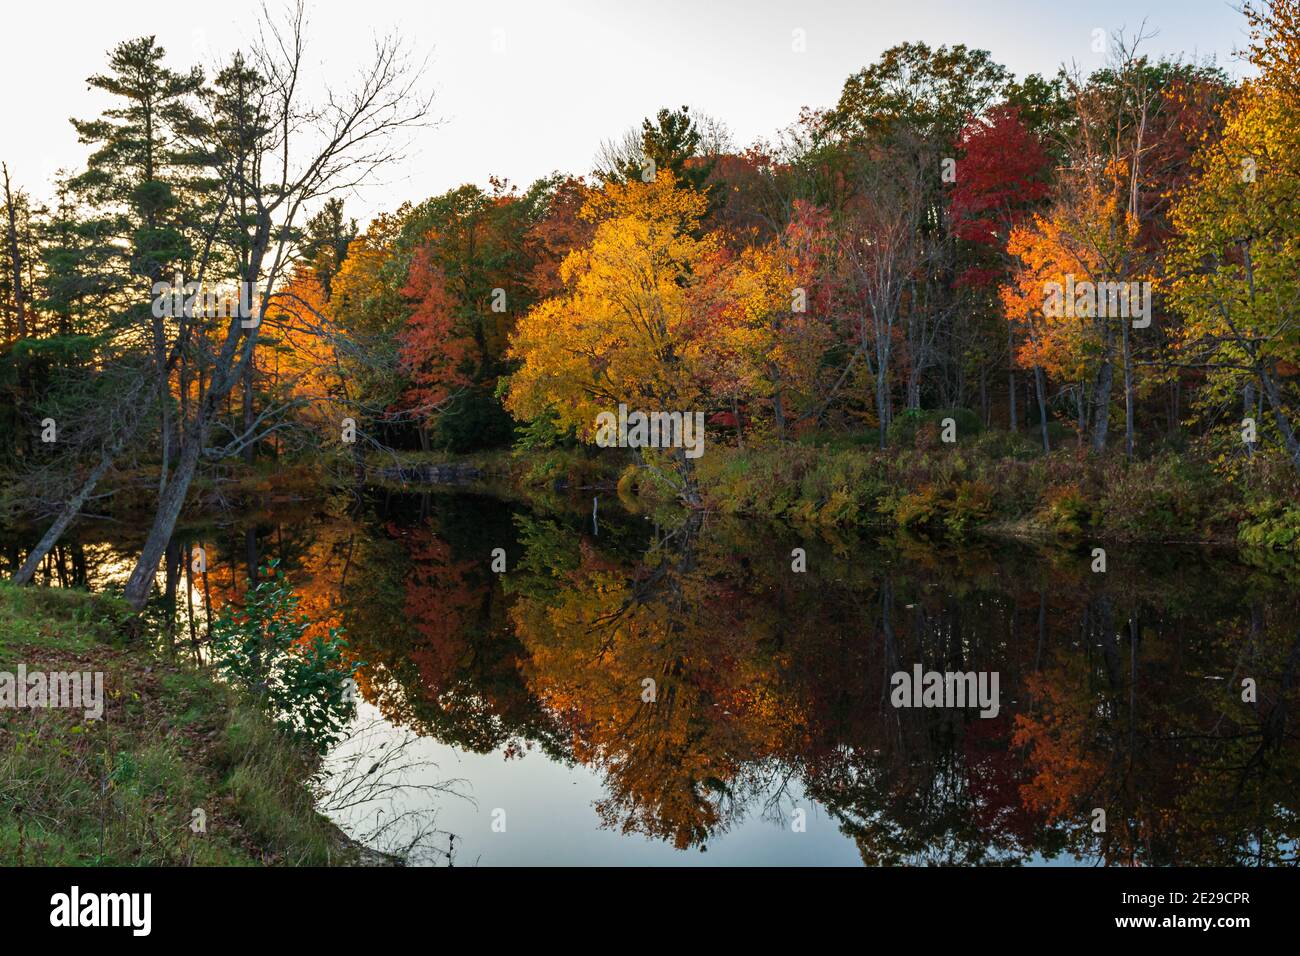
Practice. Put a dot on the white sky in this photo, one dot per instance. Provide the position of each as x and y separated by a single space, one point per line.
571 73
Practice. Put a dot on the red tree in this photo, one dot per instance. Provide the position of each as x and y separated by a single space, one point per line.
1002 173
433 350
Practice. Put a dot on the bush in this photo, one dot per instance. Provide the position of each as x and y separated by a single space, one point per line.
919 509
1066 510
1164 497
302 682
972 504
1272 524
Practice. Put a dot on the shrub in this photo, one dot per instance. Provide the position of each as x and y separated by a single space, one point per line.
1066 510
972 504
1272 524
920 508
262 648
1167 496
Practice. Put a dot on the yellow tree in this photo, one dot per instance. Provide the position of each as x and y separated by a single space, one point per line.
620 331
1235 264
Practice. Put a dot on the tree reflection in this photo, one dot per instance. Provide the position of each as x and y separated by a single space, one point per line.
706 681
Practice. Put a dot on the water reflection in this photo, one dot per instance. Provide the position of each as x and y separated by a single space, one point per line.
706 685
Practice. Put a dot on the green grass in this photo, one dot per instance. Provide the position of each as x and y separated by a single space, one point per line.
122 790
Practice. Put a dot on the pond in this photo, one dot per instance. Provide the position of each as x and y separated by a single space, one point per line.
621 688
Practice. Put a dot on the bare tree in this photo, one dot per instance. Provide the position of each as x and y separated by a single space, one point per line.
15 258
881 249
294 153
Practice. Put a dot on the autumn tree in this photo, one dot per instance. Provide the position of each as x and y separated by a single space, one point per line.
1085 243
768 327
1003 176
434 351
1234 261
621 329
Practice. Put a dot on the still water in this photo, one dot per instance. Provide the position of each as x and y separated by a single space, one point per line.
641 690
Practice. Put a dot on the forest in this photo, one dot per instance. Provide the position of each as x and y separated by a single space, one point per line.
644 478
953 299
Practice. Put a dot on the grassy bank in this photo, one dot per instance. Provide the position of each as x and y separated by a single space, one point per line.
122 790
1000 482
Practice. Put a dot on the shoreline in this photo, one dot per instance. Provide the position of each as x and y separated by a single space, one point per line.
180 770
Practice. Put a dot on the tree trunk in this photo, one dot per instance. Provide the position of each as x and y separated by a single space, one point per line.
66 517
778 407
984 394
1280 416
251 447
1247 410
1128 393
1041 388
1011 379
170 503
1101 405
882 406
75 504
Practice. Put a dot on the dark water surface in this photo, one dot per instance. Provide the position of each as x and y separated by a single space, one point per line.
648 693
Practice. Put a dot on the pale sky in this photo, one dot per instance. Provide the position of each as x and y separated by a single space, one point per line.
523 89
